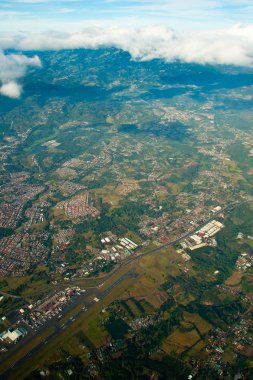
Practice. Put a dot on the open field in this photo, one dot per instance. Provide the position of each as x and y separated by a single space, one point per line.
10 284
153 272
197 349
109 195
37 289
94 330
141 288
181 296
158 266
178 341
76 346
234 279
201 325
134 310
228 356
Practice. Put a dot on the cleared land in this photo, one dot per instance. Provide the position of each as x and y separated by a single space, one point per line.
235 279
178 341
201 325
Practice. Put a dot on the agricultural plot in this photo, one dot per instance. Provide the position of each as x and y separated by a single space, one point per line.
178 342
200 324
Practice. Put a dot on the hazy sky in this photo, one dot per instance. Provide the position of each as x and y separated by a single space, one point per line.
73 15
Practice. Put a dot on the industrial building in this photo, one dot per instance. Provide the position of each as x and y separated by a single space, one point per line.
12 336
202 237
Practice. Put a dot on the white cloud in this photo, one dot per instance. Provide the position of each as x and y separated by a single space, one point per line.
11 89
232 46
67 10
12 13
13 67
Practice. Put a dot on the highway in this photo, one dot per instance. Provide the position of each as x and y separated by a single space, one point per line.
97 291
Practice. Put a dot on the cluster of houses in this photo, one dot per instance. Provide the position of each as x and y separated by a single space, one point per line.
244 261
19 252
9 214
79 206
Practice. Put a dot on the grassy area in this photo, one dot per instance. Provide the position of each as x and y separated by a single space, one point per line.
108 195
10 284
94 329
197 349
153 270
76 347
181 296
36 289
202 326
134 237
178 341
87 282
161 264
133 308
228 356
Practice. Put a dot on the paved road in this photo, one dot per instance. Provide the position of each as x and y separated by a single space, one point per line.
97 291
9 295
